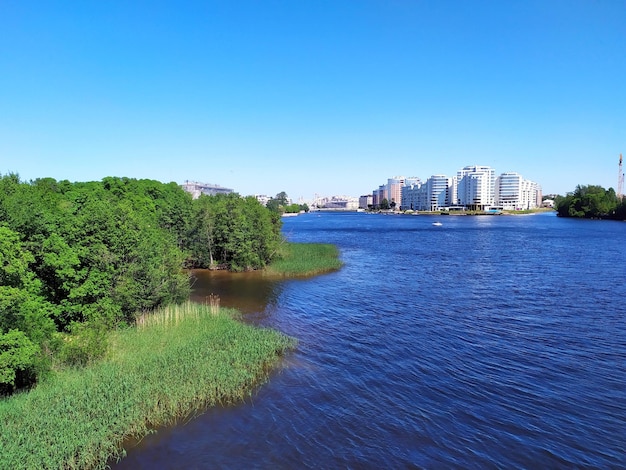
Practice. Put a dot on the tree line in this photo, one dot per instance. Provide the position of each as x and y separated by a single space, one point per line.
591 202
280 204
79 258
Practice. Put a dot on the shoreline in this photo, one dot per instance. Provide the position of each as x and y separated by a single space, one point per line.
185 359
462 213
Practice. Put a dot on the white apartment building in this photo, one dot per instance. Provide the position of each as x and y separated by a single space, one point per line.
432 195
437 192
476 187
513 192
411 197
262 198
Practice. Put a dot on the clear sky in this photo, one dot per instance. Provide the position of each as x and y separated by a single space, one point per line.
313 96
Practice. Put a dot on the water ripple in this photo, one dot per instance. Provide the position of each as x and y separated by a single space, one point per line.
495 342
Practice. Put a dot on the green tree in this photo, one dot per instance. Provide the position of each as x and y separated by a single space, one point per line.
233 232
21 305
588 202
278 203
282 198
293 208
384 204
76 258
17 360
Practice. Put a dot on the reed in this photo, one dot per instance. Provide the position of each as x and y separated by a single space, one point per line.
180 360
305 259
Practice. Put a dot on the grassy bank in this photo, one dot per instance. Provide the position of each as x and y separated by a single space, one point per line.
179 360
305 259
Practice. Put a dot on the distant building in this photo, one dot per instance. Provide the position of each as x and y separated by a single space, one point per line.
476 187
366 201
338 203
432 195
262 198
196 188
394 191
513 192
382 193
437 192
411 197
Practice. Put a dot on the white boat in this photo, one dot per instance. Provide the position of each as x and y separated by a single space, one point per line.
438 224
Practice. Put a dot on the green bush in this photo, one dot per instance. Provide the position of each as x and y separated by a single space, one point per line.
85 344
17 360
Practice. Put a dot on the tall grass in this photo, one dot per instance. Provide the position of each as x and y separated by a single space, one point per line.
305 259
181 359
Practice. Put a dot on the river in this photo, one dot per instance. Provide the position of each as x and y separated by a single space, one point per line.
486 342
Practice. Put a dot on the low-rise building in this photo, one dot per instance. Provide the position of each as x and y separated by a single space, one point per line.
347 203
196 188
262 198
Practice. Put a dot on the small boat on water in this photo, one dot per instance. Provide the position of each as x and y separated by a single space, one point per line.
437 224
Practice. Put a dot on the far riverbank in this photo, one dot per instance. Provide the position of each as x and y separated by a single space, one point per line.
461 213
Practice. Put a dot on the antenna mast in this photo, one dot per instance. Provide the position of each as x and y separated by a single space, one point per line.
620 180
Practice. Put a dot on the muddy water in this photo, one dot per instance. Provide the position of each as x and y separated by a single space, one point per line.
248 292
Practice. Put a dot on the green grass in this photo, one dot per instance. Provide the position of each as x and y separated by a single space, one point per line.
177 361
305 259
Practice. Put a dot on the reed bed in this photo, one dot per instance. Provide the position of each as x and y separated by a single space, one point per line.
305 259
180 360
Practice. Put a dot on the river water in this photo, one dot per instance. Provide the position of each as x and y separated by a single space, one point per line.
486 342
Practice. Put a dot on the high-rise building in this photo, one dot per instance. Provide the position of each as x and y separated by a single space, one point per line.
379 194
394 190
437 192
513 192
410 197
476 187
366 201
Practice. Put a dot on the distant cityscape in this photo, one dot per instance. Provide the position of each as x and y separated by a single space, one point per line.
473 188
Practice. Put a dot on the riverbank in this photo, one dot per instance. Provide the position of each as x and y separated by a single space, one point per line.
538 210
181 360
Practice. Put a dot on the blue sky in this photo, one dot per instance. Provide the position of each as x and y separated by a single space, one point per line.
313 96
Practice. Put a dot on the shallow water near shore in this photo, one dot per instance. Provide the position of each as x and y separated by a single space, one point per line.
486 342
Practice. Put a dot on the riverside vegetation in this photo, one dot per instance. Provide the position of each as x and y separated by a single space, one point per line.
182 359
305 259
79 264
591 202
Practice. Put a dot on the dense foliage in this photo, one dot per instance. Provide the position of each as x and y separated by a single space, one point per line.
591 202
232 232
77 258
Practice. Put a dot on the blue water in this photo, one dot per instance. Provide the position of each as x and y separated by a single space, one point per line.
487 342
